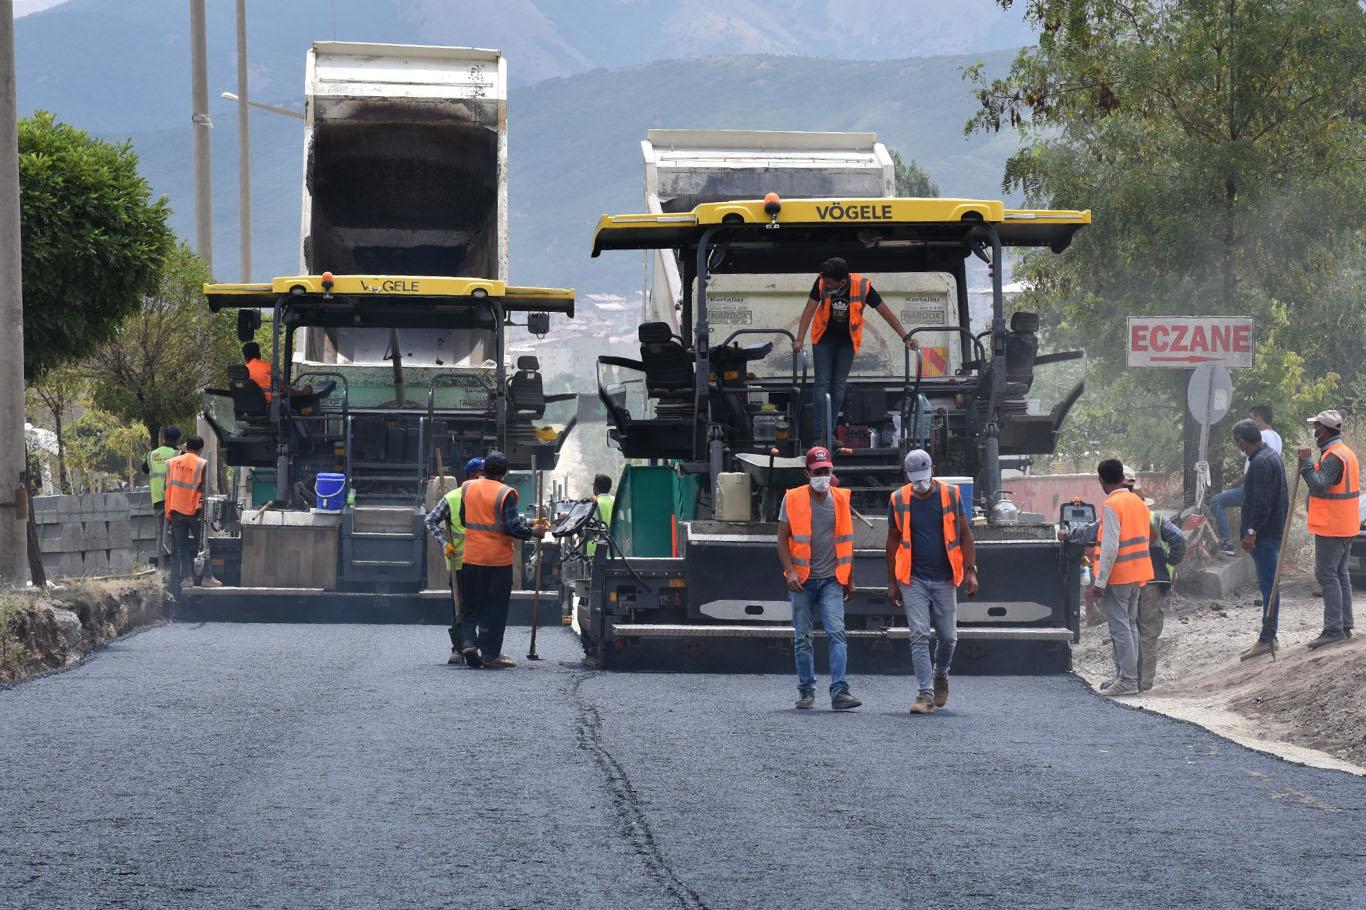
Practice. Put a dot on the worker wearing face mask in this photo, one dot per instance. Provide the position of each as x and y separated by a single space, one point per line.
930 553
816 549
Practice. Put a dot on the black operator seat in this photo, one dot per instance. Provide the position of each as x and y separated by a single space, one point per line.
735 357
248 399
669 374
526 389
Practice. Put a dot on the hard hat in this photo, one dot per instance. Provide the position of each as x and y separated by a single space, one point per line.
474 464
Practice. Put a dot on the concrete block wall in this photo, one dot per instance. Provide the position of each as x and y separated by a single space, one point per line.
95 533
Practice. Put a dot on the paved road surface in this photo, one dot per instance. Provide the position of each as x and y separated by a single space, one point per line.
344 766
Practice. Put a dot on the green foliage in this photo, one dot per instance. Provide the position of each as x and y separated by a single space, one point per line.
1218 142
152 370
93 239
100 446
912 180
12 652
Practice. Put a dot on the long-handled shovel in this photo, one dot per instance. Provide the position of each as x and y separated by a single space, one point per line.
450 567
1280 560
536 579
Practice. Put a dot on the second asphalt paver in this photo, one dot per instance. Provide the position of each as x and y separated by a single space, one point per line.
326 766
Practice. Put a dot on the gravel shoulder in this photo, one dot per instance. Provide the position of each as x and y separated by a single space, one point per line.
1305 706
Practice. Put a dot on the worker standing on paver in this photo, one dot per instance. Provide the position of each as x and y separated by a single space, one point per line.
185 476
257 368
816 550
1265 505
834 314
602 495
154 466
488 512
1334 482
930 553
443 524
1123 567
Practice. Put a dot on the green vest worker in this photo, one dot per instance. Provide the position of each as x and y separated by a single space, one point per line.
154 466
443 523
602 486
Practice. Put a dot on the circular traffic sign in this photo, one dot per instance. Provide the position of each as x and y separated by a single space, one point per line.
1209 394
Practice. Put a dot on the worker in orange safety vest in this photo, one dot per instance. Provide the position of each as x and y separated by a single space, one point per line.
184 501
1334 481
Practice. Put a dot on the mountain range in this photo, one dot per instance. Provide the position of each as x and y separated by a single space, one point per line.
587 82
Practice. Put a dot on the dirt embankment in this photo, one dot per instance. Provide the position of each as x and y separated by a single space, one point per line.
42 631
1310 699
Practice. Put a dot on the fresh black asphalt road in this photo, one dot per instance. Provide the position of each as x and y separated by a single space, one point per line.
245 766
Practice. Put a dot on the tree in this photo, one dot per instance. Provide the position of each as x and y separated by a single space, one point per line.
912 180
153 368
93 239
1218 142
57 392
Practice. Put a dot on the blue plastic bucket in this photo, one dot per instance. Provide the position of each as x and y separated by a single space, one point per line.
331 491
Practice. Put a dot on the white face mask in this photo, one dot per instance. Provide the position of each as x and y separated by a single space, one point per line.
921 486
820 483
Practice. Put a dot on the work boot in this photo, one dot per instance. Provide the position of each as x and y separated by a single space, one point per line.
1326 638
1259 649
1121 687
471 655
844 702
941 691
501 662
923 704
806 698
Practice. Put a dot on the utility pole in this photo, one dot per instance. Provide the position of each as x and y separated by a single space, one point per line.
199 81
13 463
243 145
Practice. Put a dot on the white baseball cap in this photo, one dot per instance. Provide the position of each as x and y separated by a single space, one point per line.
1330 418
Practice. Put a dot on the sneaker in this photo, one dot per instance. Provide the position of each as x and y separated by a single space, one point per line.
1107 684
1327 638
1121 687
806 698
1144 686
923 704
941 691
844 702
1259 649
456 657
501 662
1226 549
471 655
1347 632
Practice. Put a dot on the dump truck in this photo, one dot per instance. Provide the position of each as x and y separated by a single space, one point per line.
720 408
388 350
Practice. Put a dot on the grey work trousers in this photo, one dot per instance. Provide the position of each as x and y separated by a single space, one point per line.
1152 608
1330 568
1120 606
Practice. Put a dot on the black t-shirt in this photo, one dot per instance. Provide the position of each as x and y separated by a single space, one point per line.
837 329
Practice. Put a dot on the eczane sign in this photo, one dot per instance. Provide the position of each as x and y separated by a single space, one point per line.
1184 342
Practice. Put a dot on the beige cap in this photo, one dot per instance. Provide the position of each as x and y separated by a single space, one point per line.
1130 475
1330 418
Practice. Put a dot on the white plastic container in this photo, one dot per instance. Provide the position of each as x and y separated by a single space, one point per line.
732 497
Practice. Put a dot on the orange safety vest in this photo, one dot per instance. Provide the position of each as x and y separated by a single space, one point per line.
798 504
949 507
184 484
259 371
1133 563
858 293
1334 512
486 543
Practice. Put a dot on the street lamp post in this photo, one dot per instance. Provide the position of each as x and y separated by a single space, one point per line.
199 81
244 146
13 467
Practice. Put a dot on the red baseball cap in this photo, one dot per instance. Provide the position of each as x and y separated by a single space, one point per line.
818 457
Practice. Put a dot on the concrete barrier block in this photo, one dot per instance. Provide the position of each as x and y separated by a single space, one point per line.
97 562
72 537
120 534
69 507
96 535
120 561
1219 579
51 543
116 502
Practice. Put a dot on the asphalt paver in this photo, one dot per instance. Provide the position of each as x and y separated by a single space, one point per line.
293 766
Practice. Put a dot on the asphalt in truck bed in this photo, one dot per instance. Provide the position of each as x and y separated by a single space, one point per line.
288 766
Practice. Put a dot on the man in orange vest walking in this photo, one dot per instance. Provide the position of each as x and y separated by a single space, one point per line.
488 512
834 313
816 549
1334 481
184 501
1121 571
930 553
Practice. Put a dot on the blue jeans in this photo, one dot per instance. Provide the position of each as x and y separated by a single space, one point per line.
827 595
931 604
1221 502
832 363
1264 554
